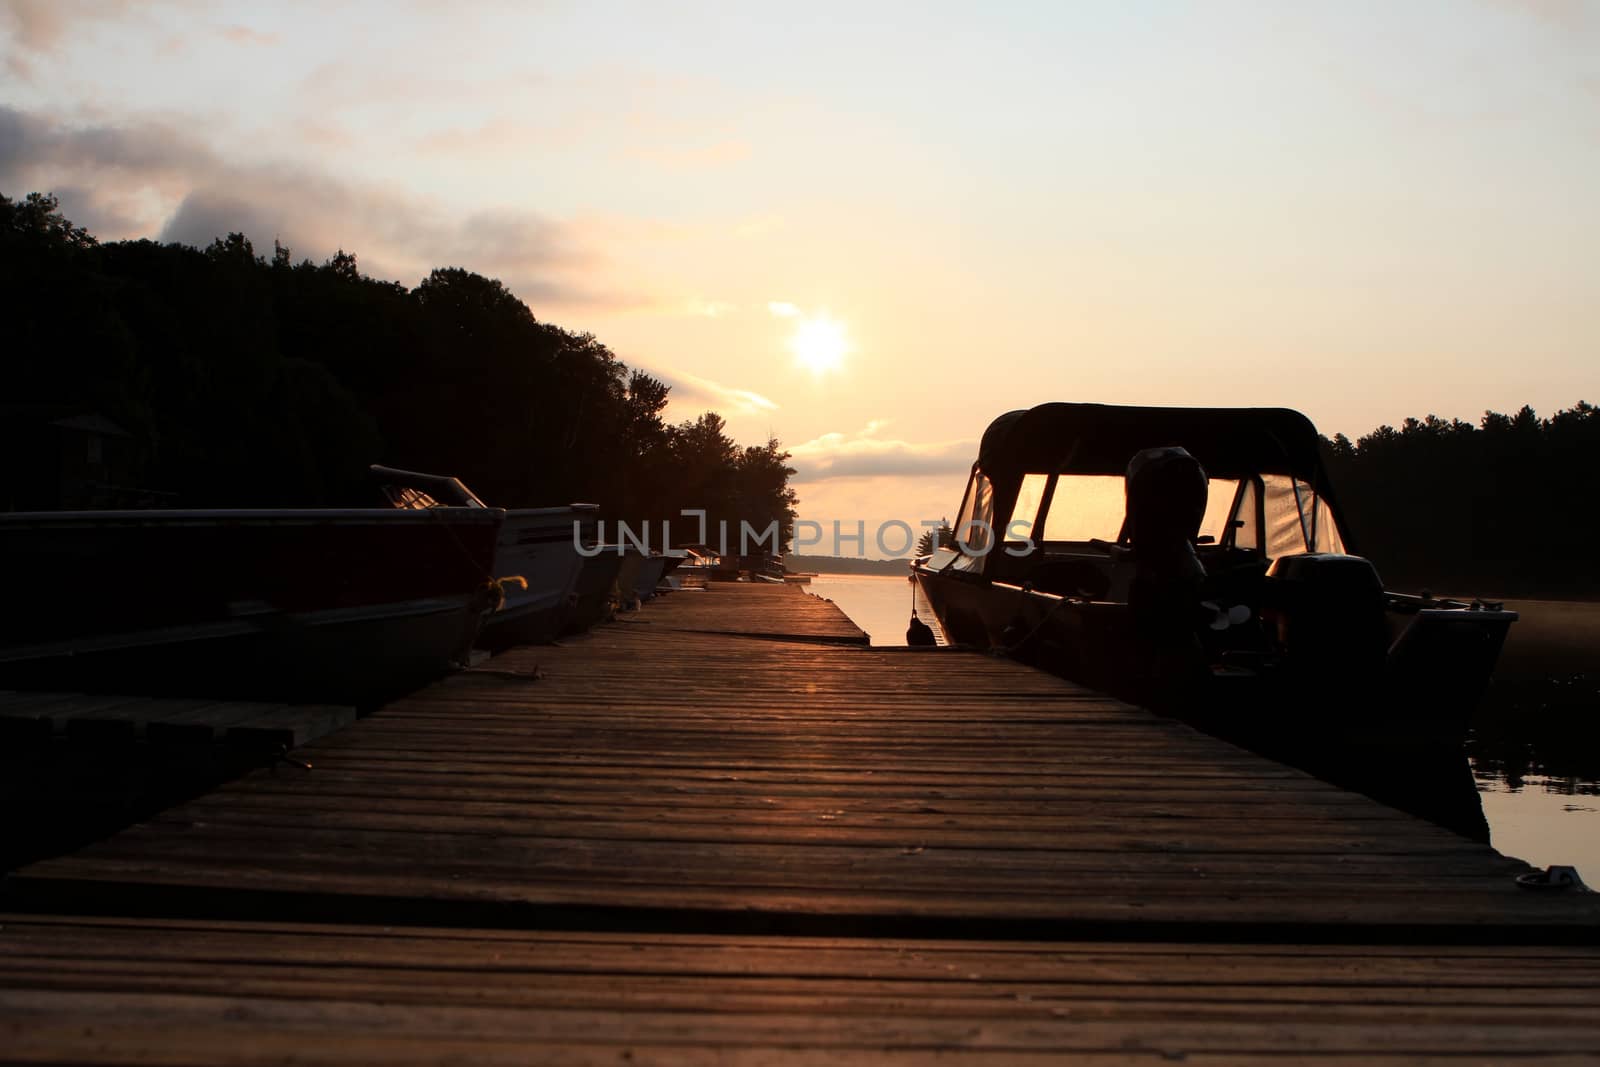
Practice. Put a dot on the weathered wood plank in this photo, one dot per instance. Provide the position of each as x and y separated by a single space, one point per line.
651 769
113 990
750 610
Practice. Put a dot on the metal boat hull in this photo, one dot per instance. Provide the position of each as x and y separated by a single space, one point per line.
1437 668
592 595
347 605
650 571
537 562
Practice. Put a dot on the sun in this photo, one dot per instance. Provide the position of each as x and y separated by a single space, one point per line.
819 344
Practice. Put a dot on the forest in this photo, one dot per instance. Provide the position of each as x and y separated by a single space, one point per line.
1508 506
242 379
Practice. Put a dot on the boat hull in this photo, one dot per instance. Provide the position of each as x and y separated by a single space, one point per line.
538 565
650 573
1423 694
346 605
591 599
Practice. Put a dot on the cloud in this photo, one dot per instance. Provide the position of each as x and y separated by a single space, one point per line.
244 35
1565 16
204 215
495 139
783 309
41 28
151 177
709 309
695 391
42 25
864 454
695 157
762 226
154 150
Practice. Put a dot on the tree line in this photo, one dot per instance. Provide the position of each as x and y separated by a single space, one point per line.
1506 506
253 380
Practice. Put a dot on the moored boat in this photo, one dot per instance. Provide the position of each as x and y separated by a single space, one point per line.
1196 560
694 568
348 605
650 572
594 593
536 560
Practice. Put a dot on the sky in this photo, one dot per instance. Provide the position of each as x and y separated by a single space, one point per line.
868 229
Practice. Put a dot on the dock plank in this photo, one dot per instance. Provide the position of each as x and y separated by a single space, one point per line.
729 781
750 610
120 990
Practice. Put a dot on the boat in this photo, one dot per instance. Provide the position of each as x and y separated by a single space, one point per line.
630 564
651 570
695 568
1196 561
594 595
329 605
672 561
759 567
536 560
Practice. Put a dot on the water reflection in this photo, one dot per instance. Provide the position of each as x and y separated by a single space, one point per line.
879 604
1535 750
1545 728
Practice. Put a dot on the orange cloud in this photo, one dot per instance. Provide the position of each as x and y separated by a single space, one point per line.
865 454
143 178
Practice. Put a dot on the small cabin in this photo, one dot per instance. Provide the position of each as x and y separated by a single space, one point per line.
66 459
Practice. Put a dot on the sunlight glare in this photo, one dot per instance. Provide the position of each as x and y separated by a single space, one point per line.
819 344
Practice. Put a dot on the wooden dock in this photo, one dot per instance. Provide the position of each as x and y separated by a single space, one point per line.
723 828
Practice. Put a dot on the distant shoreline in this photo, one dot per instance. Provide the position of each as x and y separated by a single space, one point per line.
847 565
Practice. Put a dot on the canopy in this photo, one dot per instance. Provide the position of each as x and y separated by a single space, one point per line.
1100 439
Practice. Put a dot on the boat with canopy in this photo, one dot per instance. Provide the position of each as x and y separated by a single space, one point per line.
1196 560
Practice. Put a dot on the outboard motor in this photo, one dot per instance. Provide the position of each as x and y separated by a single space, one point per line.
1329 616
1166 500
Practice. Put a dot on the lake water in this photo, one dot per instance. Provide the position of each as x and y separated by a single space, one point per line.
1534 747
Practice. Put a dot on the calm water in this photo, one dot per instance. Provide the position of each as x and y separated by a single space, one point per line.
1535 743
879 604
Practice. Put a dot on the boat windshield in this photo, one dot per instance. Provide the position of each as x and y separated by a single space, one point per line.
1297 519
1085 507
1273 514
977 515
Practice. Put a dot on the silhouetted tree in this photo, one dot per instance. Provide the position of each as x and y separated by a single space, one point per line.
37 218
1505 507
947 538
255 382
